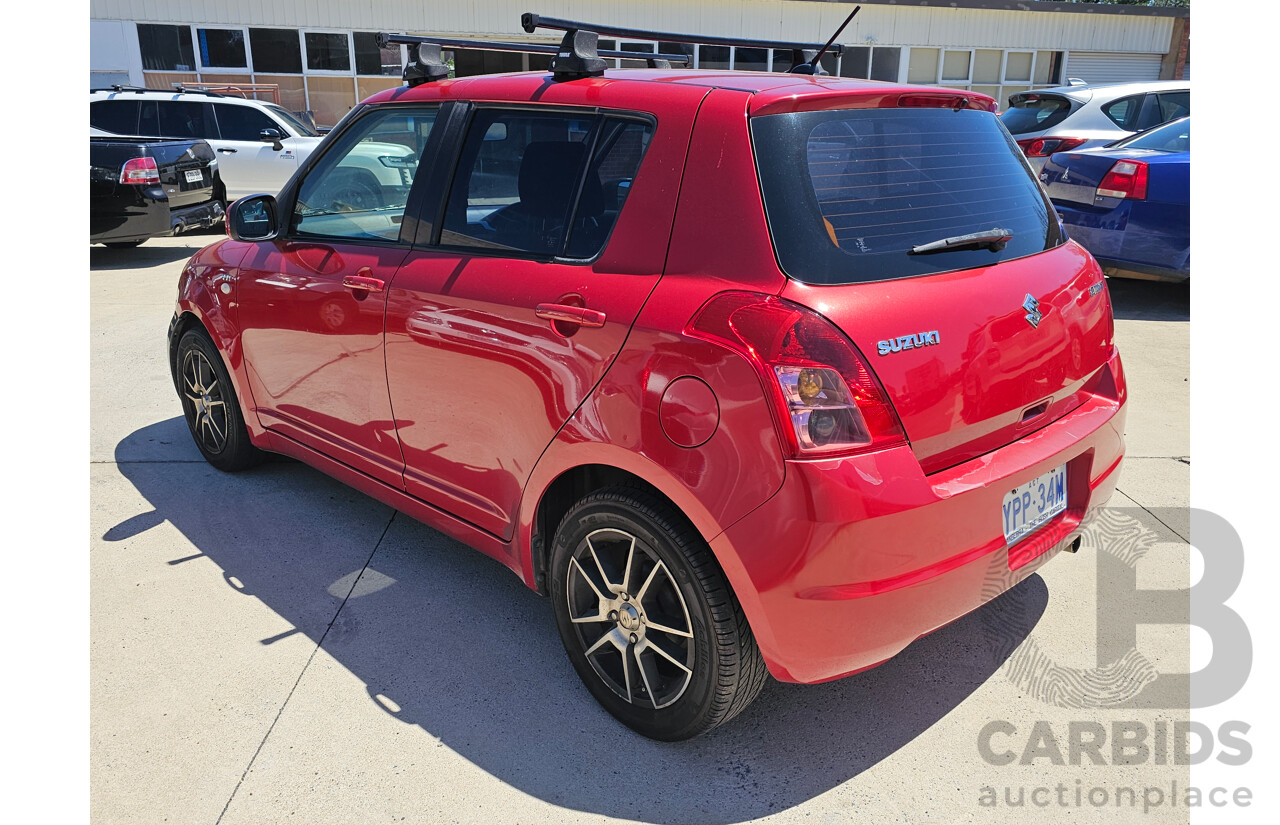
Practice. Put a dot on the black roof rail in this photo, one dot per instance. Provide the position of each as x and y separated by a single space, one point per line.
426 62
119 88
802 54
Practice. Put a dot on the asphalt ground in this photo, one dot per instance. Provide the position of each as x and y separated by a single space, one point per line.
273 646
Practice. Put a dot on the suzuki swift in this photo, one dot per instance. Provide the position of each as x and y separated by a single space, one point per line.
750 373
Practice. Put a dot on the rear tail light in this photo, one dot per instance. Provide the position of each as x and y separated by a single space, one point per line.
1127 179
826 399
1043 147
140 170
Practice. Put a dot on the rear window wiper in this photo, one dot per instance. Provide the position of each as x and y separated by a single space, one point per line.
993 239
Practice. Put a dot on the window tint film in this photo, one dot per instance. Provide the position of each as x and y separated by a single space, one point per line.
183 119
1034 113
543 183
327 52
276 50
1124 112
359 188
116 116
1174 105
849 193
614 165
222 48
166 48
242 122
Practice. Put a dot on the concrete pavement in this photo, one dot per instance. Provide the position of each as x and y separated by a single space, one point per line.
273 646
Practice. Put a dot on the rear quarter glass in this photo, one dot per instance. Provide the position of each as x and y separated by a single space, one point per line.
848 193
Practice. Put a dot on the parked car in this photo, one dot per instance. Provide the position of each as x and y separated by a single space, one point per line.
142 188
259 145
750 373
1130 203
1081 117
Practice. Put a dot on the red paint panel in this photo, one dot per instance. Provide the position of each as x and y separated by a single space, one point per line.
966 394
314 350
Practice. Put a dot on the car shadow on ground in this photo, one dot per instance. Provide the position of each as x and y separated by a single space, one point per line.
450 641
1134 300
103 258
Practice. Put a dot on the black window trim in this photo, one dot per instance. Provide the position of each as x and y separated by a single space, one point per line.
435 243
410 222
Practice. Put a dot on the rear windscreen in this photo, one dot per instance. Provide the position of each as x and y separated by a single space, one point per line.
849 193
1035 113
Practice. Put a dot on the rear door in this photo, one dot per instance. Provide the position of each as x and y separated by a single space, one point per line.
976 346
552 236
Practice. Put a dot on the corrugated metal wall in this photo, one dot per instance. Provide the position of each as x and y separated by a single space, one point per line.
1113 68
774 19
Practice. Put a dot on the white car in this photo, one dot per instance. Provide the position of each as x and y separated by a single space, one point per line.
259 145
1067 118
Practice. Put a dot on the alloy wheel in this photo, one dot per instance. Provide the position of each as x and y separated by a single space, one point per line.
208 410
630 618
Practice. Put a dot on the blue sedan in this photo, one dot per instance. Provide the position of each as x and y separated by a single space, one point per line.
1129 203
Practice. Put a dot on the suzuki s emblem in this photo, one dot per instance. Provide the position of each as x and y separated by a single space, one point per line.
1032 306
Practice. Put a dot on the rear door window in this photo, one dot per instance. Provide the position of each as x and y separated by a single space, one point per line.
119 117
1174 105
1035 113
542 183
848 194
185 119
1125 112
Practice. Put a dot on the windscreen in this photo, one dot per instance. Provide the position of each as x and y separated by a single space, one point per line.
1035 113
850 193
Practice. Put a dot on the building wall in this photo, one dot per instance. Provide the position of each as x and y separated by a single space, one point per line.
1008 51
774 19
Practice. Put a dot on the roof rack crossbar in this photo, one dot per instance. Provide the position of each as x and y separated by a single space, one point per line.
426 63
531 22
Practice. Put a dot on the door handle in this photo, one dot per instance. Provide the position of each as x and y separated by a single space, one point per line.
364 283
581 316
228 151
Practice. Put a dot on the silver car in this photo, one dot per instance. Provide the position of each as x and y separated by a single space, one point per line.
1080 117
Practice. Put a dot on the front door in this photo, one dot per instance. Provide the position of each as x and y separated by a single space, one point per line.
312 303
249 166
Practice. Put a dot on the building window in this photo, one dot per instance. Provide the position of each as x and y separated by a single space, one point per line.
166 48
222 48
327 52
276 50
995 72
371 60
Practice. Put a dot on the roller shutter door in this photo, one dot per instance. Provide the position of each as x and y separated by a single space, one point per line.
1102 67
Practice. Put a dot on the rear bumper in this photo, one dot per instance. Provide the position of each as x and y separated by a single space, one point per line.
855 558
201 216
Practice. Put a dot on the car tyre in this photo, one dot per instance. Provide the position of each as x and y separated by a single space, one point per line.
210 405
647 617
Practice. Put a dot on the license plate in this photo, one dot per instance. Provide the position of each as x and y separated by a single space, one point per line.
1034 503
194 176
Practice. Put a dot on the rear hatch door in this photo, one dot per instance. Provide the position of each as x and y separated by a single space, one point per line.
186 171
976 346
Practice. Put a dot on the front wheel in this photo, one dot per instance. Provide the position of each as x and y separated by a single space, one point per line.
648 619
210 405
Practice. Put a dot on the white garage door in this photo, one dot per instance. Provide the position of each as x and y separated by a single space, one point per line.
1103 67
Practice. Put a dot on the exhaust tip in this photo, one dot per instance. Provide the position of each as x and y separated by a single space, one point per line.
1074 545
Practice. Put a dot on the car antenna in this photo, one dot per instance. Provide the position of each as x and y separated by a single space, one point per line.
812 66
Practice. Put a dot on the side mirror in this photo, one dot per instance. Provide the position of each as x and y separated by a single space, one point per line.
253 219
273 137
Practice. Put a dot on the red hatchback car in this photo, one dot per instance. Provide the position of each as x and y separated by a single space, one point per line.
750 373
